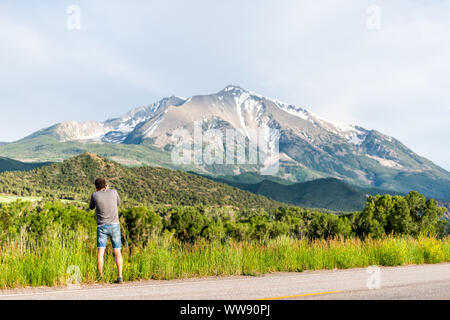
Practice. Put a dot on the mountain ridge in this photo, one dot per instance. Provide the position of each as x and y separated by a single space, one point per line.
328 193
7 164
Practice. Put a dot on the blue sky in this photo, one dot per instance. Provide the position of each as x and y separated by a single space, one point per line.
319 55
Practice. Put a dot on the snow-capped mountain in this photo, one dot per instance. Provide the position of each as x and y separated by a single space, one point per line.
240 108
113 130
310 146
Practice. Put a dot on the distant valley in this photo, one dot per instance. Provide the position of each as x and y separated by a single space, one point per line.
327 193
7 164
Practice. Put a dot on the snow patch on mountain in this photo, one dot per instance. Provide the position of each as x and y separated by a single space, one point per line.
295 111
72 130
355 139
386 162
147 133
128 122
242 120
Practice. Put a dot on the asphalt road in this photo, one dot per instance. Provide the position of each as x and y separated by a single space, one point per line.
408 282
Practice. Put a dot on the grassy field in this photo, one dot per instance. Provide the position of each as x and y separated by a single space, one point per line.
10 198
28 263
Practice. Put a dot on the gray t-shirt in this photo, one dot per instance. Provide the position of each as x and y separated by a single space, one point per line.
106 203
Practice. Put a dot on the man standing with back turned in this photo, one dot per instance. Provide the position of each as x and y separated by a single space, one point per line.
106 202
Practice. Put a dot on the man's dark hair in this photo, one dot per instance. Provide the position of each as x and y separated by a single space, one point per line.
100 183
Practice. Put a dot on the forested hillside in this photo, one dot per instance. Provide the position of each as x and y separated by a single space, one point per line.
73 180
7 164
329 193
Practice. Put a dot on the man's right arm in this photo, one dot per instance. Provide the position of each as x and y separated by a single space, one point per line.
92 203
118 198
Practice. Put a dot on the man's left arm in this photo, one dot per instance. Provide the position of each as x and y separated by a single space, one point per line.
92 203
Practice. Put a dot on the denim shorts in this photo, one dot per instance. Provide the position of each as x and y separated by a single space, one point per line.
111 230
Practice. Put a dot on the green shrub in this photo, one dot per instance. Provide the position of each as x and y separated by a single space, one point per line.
393 252
431 250
139 225
188 224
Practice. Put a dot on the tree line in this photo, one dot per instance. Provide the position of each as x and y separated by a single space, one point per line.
411 215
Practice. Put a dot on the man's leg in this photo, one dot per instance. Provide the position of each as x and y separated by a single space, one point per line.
100 253
101 246
119 261
117 245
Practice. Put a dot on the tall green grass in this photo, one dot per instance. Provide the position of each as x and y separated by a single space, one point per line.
45 263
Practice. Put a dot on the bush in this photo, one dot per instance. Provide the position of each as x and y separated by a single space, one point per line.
431 250
393 252
139 225
188 223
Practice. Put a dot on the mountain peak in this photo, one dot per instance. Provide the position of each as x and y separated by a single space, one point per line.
233 88
89 166
88 156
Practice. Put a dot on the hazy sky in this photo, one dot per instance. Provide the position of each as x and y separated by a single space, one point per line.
320 55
